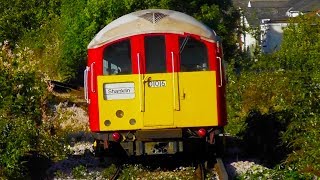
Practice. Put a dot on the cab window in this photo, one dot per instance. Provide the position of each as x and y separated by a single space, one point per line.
193 55
117 58
155 49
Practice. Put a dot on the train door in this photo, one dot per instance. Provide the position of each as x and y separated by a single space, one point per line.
119 87
197 81
158 84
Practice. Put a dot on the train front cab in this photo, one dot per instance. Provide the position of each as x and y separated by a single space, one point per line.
155 92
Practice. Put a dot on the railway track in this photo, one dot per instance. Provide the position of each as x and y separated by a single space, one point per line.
204 166
200 172
221 170
117 173
218 167
201 169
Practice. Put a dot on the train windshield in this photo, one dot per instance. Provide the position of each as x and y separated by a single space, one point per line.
117 58
193 55
155 54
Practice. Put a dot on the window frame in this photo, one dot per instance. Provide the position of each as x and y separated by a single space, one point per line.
206 53
131 68
163 35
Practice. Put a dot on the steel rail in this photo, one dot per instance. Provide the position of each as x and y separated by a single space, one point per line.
221 170
117 173
199 173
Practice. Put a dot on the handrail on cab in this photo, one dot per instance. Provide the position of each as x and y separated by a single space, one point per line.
174 84
92 80
220 69
85 84
140 84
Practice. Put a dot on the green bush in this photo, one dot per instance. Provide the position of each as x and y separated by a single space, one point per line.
20 93
278 97
17 140
26 18
22 109
277 116
79 172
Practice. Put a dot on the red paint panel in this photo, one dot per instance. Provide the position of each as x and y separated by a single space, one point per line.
135 54
137 51
93 109
212 55
221 90
172 51
214 65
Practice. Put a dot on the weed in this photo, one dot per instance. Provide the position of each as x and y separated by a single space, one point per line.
79 172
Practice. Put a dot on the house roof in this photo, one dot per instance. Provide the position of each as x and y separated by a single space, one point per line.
275 10
304 5
268 3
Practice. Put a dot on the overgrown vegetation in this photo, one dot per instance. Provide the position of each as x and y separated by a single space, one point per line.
52 36
23 96
59 30
274 103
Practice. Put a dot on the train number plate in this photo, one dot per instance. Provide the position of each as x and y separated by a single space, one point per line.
157 83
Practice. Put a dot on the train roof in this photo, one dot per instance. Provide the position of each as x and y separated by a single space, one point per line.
151 21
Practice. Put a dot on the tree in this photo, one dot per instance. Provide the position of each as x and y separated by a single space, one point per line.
20 17
300 47
300 54
20 111
81 20
282 90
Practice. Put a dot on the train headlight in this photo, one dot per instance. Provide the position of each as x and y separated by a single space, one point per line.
132 121
119 113
107 122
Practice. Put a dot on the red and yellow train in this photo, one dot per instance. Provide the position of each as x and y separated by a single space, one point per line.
155 82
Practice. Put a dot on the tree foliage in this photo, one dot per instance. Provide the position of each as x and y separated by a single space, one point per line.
300 47
280 94
20 94
273 104
22 98
18 17
81 20
53 36
60 30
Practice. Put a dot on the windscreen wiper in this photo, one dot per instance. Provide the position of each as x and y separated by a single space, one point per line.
184 43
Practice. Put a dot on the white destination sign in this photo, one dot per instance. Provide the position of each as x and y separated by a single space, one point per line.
119 91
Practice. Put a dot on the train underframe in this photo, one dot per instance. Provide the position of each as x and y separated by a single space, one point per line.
159 142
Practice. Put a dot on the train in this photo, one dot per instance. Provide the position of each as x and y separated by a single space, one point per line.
155 84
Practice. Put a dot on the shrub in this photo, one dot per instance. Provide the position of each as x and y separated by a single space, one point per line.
280 94
79 172
22 108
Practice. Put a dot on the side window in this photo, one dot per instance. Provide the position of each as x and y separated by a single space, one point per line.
193 55
117 58
155 54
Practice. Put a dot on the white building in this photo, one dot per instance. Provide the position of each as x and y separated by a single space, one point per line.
247 40
271 35
271 17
